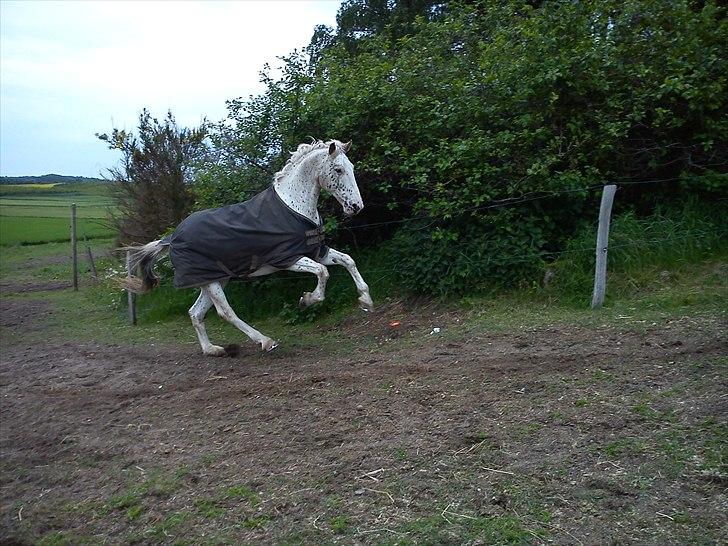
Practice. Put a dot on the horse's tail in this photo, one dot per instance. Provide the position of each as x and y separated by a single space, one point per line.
141 260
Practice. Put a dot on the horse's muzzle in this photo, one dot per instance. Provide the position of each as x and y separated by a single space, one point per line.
353 209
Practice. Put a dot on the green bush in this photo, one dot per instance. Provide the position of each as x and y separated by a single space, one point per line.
459 105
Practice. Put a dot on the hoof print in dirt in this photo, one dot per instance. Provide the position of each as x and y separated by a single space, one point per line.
232 349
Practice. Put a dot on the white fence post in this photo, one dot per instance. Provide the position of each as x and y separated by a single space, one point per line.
600 272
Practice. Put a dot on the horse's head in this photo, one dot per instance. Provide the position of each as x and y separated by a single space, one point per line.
337 177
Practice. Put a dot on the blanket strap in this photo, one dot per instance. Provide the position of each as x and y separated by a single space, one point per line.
315 236
225 269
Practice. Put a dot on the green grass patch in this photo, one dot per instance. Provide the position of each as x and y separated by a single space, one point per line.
162 530
339 524
243 492
134 512
437 529
256 522
623 447
208 508
64 538
33 214
27 230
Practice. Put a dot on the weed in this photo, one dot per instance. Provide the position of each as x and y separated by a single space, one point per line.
208 508
133 512
674 391
62 538
676 454
161 530
207 459
125 500
601 375
644 410
623 446
339 524
682 518
333 502
505 529
525 430
400 454
243 492
256 522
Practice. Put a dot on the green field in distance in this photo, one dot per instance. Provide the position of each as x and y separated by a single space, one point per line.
38 213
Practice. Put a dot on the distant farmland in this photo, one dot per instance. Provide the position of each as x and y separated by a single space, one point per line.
37 213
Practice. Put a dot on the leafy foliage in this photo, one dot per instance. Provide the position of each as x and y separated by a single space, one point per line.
150 190
455 106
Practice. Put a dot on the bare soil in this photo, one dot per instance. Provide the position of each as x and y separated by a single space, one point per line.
561 434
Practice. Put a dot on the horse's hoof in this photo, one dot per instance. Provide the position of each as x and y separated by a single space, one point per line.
306 300
215 350
268 345
366 304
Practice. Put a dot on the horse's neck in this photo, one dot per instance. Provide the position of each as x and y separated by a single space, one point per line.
299 190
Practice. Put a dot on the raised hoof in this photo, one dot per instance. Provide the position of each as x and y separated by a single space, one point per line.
268 345
215 350
307 300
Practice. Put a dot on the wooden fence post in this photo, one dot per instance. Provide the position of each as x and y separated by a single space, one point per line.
74 249
600 272
91 263
130 296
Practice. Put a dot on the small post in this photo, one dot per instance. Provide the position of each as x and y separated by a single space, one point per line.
90 257
130 297
74 249
91 263
600 272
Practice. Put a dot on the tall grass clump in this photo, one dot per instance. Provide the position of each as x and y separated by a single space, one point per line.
642 250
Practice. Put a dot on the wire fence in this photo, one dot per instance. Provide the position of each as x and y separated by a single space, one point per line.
510 202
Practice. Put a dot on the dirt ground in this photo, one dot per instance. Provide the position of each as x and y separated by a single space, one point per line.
561 434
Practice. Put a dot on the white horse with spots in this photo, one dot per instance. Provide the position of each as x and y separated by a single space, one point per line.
297 188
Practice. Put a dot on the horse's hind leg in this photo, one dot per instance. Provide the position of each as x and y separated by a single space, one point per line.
197 314
216 294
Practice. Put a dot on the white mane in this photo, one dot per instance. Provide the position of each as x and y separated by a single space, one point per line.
302 151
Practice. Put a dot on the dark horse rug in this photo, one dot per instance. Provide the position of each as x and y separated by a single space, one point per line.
235 240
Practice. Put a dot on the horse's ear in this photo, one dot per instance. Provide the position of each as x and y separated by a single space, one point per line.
346 147
332 148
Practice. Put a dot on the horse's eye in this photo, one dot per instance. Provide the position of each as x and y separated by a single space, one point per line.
339 170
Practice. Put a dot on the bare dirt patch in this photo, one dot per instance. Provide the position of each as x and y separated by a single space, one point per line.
564 434
21 287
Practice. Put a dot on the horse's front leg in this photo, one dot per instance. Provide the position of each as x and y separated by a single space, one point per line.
307 265
334 257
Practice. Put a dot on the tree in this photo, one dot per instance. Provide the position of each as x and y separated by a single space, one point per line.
151 190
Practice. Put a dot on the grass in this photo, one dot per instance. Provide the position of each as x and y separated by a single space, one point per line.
26 230
37 213
243 492
643 252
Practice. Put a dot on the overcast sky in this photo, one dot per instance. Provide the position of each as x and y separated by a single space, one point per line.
72 69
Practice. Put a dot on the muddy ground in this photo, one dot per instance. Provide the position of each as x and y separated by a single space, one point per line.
563 434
